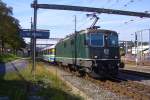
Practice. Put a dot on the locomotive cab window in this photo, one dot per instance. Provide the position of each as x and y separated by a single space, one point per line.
95 39
113 40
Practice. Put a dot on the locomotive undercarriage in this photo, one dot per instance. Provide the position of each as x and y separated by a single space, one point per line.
96 68
102 69
108 68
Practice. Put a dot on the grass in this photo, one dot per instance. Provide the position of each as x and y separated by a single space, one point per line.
20 85
8 57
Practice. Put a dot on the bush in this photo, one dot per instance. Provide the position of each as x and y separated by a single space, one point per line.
8 57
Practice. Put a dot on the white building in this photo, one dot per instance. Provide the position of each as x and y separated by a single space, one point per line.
140 49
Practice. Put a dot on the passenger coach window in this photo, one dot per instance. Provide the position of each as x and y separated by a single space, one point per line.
113 40
97 39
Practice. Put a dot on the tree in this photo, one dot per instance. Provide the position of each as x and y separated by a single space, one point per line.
9 29
4 13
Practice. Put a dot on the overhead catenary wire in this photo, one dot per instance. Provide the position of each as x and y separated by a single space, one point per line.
129 2
125 3
113 3
127 22
130 21
134 20
106 3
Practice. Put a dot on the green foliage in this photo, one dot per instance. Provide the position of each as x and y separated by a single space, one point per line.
9 28
8 57
17 85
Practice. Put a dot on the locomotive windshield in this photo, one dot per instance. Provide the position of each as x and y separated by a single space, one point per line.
112 40
95 39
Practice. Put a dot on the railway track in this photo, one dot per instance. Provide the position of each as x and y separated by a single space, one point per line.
121 86
129 88
134 90
142 74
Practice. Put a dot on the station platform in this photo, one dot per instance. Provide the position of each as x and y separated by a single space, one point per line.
138 68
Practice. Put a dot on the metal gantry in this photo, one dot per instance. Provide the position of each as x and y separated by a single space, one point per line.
90 9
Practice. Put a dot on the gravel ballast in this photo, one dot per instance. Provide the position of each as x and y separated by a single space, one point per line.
85 88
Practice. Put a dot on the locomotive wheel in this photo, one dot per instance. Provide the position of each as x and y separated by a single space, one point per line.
70 69
95 73
82 73
73 68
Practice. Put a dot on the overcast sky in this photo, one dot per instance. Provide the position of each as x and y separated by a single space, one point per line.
61 23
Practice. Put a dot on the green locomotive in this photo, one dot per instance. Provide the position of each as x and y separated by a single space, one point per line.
93 51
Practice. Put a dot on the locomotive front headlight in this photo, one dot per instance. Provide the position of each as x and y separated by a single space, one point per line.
95 57
116 57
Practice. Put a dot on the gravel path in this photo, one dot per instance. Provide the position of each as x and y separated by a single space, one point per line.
13 66
92 90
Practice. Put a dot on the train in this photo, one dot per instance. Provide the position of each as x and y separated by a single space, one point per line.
47 54
90 51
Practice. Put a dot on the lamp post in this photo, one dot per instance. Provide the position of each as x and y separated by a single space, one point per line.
136 49
141 46
133 44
